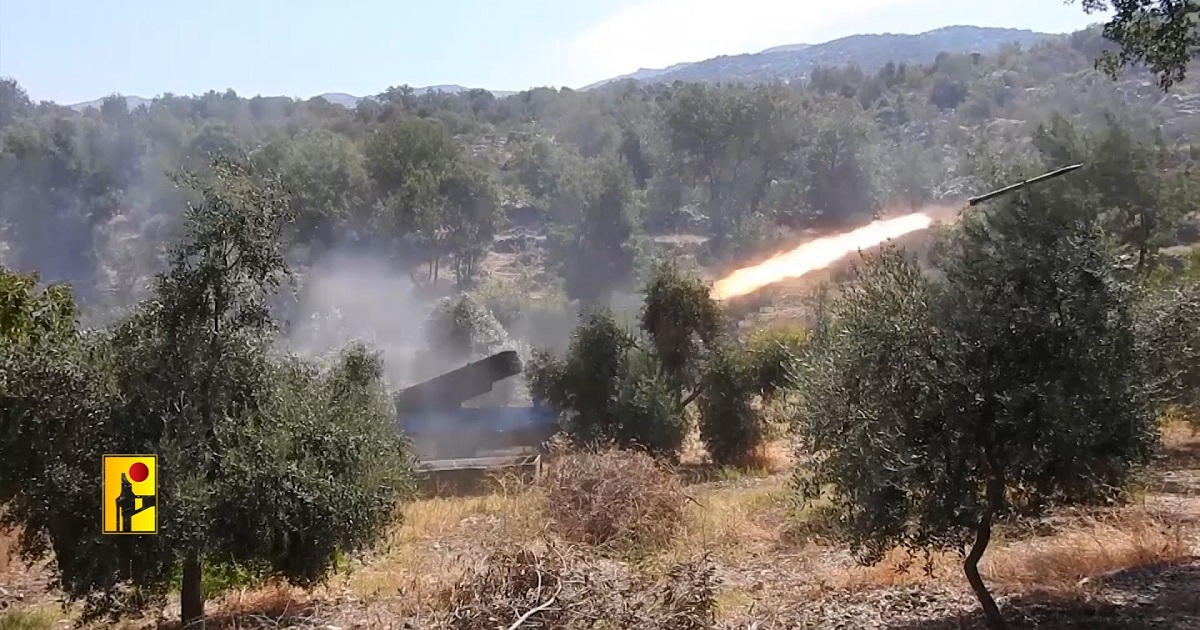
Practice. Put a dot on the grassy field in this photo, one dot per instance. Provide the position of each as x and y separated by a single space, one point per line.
679 546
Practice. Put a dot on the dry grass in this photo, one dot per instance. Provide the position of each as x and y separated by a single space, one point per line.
1080 548
764 460
1092 546
1179 431
735 518
271 606
33 619
767 460
8 547
439 540
474 562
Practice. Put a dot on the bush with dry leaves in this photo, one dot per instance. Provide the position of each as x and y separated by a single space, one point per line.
614 498
554 587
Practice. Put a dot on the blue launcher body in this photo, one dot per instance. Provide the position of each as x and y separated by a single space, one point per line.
432 416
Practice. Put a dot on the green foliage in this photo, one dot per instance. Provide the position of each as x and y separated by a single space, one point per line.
462 328
582 384
472 216
773 352
609 389
45 394
842 188
263 462
326 175
734 378
681 320
1159 33
1128 179
31 317
730 427
425 179
403 155
1169 343
646 411
1191 267
422 190
921 396
731 142
609 380
597 255
220 578
931 408
323 479
1018 379
607 383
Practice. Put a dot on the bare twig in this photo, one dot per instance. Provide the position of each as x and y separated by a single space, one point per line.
536 609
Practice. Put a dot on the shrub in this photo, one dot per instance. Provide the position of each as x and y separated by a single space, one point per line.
557 588
614 498
1169 346
773 350
732 427
610 390
645 412
682 322
462 327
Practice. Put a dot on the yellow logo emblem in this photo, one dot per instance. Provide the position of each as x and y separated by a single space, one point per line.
130 494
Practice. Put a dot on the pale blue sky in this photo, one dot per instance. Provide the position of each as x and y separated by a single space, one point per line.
75 50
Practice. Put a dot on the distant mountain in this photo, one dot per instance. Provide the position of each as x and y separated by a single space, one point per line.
340 98
337 98
789 62
455 89
132 101
796 61
787 48
642 74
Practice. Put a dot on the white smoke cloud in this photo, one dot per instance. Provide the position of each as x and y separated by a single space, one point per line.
349 297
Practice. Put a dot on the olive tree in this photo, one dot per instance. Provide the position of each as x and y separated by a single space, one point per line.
735 377
634 387
29 316
1169 343
264 461
606 383
608 388
934 408
683 323
1162 34
39 339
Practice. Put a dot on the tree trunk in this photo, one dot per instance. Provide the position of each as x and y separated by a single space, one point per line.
983 535
191 593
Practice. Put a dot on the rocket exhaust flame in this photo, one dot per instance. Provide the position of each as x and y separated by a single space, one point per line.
815 255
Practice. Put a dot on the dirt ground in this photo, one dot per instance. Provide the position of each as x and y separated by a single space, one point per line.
1137 566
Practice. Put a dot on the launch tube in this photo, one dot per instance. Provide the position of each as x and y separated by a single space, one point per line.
1007 189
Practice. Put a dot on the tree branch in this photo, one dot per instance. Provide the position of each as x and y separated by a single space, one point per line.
691 397
536 609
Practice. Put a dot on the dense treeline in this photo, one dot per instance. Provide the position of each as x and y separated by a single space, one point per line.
429 181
